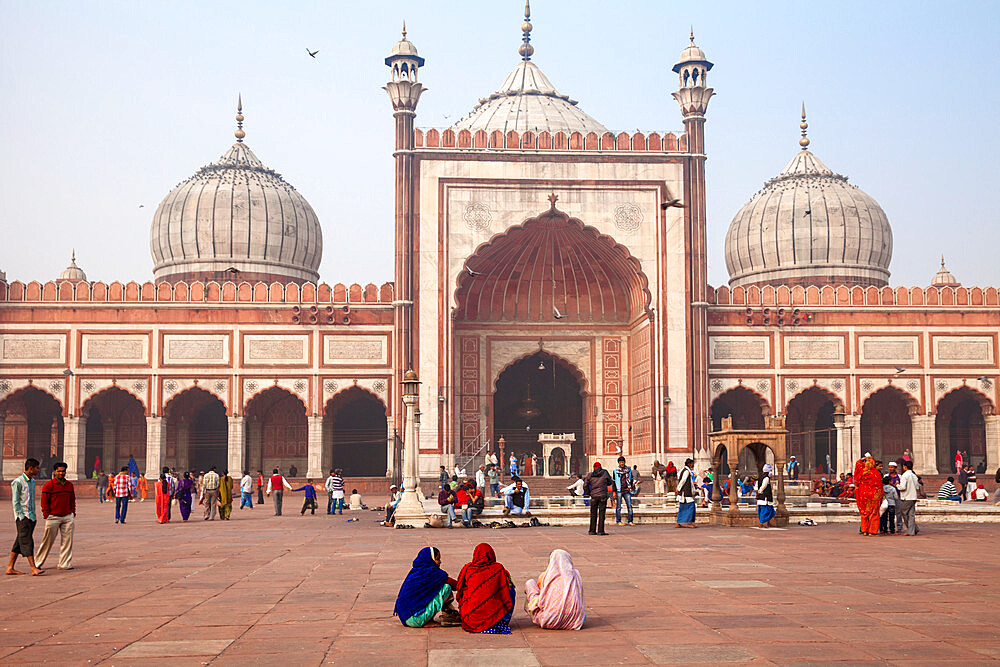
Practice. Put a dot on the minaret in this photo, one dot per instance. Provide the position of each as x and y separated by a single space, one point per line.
693 95
404 92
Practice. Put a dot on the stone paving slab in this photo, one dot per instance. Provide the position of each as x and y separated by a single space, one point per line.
316 590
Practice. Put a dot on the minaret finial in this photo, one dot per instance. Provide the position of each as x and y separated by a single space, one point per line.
692 34
804 141
942 261
239 119
526 49
404 28
72 258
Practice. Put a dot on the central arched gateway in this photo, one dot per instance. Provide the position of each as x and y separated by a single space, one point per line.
538 394
567 302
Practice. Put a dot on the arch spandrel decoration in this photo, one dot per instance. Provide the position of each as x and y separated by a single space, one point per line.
573 355
334 391
298 387
134 388
871 386
11 388
172 388
551 268
825 391
945 387
772 437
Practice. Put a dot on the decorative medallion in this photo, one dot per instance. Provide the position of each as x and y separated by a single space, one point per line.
867 386
331 387
985 383
55 386
763 386
912 385
251 386
941 385
716 385
792 385
628 217
299 385
88 387
838 385
478 217
4 386
379 386
170 386
221 386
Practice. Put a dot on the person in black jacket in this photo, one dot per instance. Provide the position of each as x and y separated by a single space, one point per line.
598 485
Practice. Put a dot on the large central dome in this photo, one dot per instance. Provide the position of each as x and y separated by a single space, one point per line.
808 226
528 102
235 219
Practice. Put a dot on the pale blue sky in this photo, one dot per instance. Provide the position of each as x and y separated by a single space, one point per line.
107 105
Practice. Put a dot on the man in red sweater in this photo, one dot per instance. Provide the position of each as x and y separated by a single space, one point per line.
59 511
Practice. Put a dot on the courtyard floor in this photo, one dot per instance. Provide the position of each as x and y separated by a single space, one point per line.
311 590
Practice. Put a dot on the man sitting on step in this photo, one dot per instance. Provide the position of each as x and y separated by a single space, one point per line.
516 498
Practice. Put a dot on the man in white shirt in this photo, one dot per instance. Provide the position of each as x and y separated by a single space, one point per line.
277 485
210 493
246 490
908 485
481 478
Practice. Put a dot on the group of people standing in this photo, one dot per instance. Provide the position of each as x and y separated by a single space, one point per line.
482 599
881 496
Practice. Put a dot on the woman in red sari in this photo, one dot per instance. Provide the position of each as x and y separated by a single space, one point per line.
485 594
163 499
869 493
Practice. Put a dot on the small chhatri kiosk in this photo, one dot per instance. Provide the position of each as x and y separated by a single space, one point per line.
732 442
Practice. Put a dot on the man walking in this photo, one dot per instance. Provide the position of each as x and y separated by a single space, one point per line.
260 487
122 488
246 490
598 486
623 487
493 479
102 486
23 499
908 486
59 512
210 493
685 496
277 485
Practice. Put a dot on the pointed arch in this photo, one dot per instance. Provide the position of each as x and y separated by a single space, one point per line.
277 430
747 407
356 432
960 425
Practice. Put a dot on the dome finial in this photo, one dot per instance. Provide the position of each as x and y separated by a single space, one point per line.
72 258
692 35
804 141
942 261
239 119
526 49
404 28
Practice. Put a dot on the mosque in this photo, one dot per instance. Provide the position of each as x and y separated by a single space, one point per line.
549 289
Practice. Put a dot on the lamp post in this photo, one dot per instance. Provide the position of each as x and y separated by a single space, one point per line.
410 511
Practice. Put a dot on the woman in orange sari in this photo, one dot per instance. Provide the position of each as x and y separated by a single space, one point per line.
163 497
869 493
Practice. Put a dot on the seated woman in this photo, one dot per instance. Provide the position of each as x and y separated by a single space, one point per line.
426 591
555 600
485 594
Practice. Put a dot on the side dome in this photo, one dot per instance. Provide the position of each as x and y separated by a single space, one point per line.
235 219
808 226
74 273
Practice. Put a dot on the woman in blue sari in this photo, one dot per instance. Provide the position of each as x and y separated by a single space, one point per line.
184 488
426 591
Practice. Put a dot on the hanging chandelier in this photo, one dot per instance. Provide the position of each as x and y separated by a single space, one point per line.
528 410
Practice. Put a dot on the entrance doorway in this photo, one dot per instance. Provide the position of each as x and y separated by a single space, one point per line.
538 394
359 430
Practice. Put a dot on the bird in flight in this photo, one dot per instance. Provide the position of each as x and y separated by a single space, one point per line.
312 54
900 370
673 203
471 272
557 314
141 205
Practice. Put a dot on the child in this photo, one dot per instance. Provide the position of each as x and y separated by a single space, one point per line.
356 503
310 501
888 519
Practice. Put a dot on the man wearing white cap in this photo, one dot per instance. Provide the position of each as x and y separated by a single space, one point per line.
894 479
793 468
765 497
394 497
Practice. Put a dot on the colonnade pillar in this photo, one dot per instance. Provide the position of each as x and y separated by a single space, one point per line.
156 446
109 462
923 438
992 441
314 451
237 444
75 447
849 443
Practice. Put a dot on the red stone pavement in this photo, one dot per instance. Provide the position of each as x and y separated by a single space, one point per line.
310 590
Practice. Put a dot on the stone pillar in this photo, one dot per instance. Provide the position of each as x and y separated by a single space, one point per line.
3 420
390 451
75 447
156 446
924 448
992 441
109 458
314 452
237 444
849 444
410 511
328 444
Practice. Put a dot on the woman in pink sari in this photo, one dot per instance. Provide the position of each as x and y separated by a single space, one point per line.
555 599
